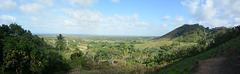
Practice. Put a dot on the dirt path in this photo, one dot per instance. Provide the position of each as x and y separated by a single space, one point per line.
213 66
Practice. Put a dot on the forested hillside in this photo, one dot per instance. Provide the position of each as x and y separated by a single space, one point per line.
225 44
182 30
191 33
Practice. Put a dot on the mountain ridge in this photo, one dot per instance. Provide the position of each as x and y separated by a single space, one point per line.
190 33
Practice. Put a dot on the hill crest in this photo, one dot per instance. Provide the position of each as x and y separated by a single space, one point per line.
181 31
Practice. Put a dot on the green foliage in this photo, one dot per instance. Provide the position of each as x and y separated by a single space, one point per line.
54 62
191 33
23 52
186 29
60 44
77 53
38 60
224 36
225 40
82 63
186 65
17 47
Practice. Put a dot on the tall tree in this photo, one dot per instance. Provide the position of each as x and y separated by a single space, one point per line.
4 31
16 47
60 44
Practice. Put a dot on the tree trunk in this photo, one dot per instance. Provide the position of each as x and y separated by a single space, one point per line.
59 51
125 62
17 71
93 59
99 59
112 60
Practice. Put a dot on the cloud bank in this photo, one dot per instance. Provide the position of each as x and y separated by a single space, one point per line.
214 13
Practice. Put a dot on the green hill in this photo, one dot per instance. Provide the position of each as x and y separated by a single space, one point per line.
188 65
225 44
183 29
190 33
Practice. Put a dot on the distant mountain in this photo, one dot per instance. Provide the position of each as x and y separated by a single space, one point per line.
190 33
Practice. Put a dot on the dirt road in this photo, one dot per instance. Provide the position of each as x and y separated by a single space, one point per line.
213 66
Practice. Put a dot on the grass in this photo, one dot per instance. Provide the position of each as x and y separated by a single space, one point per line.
151 44
188 65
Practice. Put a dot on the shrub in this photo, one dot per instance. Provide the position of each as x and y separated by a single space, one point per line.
77 53
82 63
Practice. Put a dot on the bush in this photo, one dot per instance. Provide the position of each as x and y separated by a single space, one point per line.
77 53
55 63
82 63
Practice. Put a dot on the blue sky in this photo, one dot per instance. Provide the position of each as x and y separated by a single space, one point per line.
117 17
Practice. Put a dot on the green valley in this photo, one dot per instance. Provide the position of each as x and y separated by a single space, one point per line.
175 52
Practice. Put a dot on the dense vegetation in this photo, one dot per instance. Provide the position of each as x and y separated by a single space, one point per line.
23 52
225 42
191 33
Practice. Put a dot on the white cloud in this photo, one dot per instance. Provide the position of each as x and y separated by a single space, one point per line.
44 2
236 20
214 12
81 2
142 23
192 4
82 17
70 22
32 8
115 1
166 17
79 18
6 19
179 20
164 25
34 19
190 22
216 22
21 1
134 17
7 5
94 22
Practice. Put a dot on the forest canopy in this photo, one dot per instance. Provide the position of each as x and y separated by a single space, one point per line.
24 52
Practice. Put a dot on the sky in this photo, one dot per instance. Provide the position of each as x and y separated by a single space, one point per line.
117 17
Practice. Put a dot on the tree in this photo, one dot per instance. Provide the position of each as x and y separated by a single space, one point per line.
82 62
112 53
60 44
15 51
17 47
23 52
55 62
77 53
38 58
4 31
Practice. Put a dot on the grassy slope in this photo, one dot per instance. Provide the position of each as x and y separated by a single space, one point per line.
151 44
188 65
181 31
